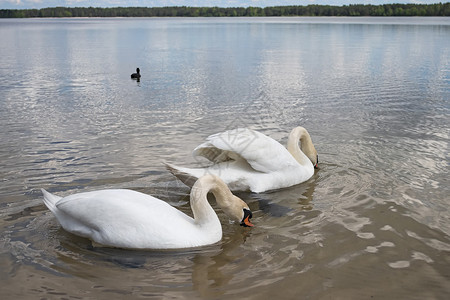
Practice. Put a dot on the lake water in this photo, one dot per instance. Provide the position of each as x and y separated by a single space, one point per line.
372 223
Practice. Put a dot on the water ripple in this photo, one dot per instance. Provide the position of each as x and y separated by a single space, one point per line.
373 94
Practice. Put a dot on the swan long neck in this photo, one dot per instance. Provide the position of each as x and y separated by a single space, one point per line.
202 210
305 154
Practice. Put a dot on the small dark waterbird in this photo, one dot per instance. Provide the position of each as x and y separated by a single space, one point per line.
136 75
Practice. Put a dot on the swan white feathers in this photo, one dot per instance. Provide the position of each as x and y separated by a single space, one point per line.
130 219
249 160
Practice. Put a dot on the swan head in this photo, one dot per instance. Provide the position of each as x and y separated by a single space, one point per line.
313 156
246 219
234 207
239 212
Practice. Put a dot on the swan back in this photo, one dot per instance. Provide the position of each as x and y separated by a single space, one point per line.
245 144
127 219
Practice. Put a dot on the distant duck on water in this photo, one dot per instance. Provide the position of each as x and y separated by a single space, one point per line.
136 75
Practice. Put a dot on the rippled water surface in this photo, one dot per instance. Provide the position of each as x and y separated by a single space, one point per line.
372 223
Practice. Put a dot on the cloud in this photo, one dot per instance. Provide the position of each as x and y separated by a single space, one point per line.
16 2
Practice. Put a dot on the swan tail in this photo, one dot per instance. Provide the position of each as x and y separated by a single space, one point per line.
182 174
50 200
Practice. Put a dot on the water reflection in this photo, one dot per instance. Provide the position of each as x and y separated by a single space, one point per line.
372 93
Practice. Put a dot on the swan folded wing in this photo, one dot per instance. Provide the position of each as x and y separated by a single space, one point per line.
263 153
119 209
214 154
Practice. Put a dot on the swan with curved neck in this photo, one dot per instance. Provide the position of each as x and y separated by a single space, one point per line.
247 160
306 150
129 219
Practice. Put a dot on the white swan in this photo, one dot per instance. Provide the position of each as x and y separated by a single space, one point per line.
129 219
248 160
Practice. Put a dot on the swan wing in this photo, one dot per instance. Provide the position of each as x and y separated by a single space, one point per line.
124 218
263 153
117 206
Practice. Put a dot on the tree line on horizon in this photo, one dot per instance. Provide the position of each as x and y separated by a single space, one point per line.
438 9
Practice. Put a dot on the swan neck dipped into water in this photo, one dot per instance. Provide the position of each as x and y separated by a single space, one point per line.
304 153
202 210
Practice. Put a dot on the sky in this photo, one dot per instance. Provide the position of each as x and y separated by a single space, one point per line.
24 4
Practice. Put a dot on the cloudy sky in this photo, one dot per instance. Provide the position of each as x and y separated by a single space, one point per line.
21 4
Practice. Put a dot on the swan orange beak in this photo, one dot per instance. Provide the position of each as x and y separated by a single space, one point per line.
246 220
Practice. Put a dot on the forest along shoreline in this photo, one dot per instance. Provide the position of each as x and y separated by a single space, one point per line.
356 10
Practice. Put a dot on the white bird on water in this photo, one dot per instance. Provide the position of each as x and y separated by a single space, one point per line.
247 160
129 219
